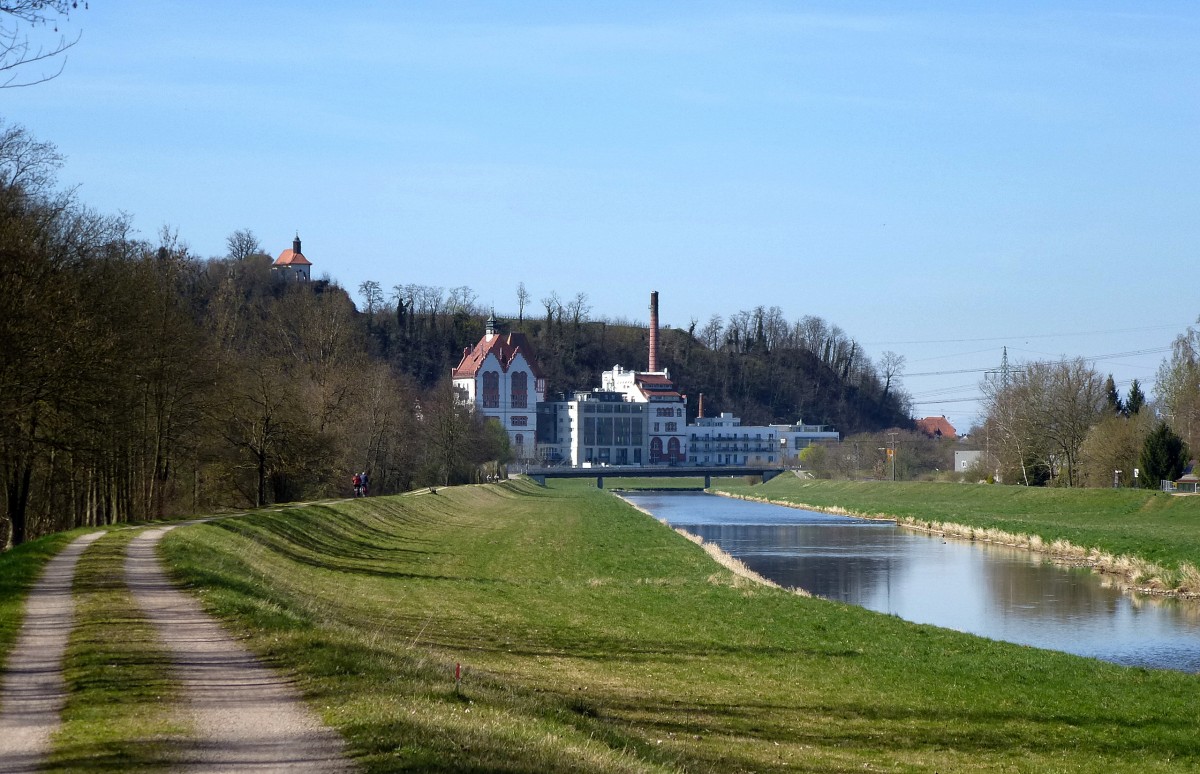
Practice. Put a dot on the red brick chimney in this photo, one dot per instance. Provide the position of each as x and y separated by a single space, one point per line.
653 331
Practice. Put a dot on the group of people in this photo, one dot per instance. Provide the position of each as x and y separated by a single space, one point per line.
361 484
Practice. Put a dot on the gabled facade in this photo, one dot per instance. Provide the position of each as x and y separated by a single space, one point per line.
292 264
501 379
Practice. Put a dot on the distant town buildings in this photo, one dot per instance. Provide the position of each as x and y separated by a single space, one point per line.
632 418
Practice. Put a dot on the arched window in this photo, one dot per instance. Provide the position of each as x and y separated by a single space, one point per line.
520 390
491 389
519 439
673 450
655 451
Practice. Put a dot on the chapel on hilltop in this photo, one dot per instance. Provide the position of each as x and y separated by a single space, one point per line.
292 264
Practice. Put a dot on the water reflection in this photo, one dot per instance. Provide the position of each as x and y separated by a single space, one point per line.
993 591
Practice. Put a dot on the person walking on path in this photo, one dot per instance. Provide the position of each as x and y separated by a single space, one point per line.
32 689
246 717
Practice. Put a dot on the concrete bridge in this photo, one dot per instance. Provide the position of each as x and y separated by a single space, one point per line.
540 475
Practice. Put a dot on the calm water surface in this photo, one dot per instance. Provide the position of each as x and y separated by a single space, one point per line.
993 591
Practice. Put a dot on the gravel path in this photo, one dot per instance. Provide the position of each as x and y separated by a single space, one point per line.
32 690
246 717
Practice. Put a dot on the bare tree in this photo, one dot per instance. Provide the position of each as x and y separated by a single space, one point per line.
461 299
1043 415
891 365
712 334
242 244
578 309
372 294
553 304
20 53
522 301
1177 386
26 163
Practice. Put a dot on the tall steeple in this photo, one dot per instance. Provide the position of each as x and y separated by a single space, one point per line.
296 244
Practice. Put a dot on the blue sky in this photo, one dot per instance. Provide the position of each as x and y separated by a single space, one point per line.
938 179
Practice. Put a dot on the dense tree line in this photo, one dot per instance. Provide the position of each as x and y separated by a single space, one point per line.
756 364
138 381
1062 423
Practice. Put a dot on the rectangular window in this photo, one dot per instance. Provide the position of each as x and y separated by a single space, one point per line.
672 427
589 431
520 421
656 427
664 412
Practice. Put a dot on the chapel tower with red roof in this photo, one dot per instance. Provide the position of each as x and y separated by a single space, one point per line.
501 379
292 263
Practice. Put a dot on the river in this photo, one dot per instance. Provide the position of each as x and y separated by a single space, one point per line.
994 591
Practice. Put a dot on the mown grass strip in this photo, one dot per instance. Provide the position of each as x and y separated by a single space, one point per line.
596 639
121 706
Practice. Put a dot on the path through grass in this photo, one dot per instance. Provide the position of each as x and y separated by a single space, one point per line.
593 638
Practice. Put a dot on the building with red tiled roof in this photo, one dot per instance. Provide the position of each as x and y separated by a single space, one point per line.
500 377
292 263
937 427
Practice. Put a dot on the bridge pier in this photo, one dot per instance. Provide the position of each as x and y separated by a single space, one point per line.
539 480
599 482
767 475
707 480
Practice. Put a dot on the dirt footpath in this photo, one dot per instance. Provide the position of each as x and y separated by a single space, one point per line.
32 690
246 717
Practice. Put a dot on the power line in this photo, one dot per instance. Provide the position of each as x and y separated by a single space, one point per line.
1031 336
1112 356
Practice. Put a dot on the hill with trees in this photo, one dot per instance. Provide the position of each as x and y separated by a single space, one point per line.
140 381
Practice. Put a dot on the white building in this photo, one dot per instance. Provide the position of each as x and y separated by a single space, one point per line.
592 428
666 411
724 441
794 439
501 379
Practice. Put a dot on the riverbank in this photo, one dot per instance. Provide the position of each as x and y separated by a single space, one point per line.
1148 541
590 637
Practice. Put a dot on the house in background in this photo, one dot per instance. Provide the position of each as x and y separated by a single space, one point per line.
965 460
1187 483
937 427
292 264
501 379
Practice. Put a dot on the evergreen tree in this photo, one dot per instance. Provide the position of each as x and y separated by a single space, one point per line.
1113 397
1164 456
1136 400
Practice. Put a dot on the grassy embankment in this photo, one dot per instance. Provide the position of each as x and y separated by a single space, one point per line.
1151 538
121 701
595 639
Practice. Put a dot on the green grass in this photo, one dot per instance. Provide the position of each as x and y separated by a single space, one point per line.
1147 524
120 711
595 639
20 569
